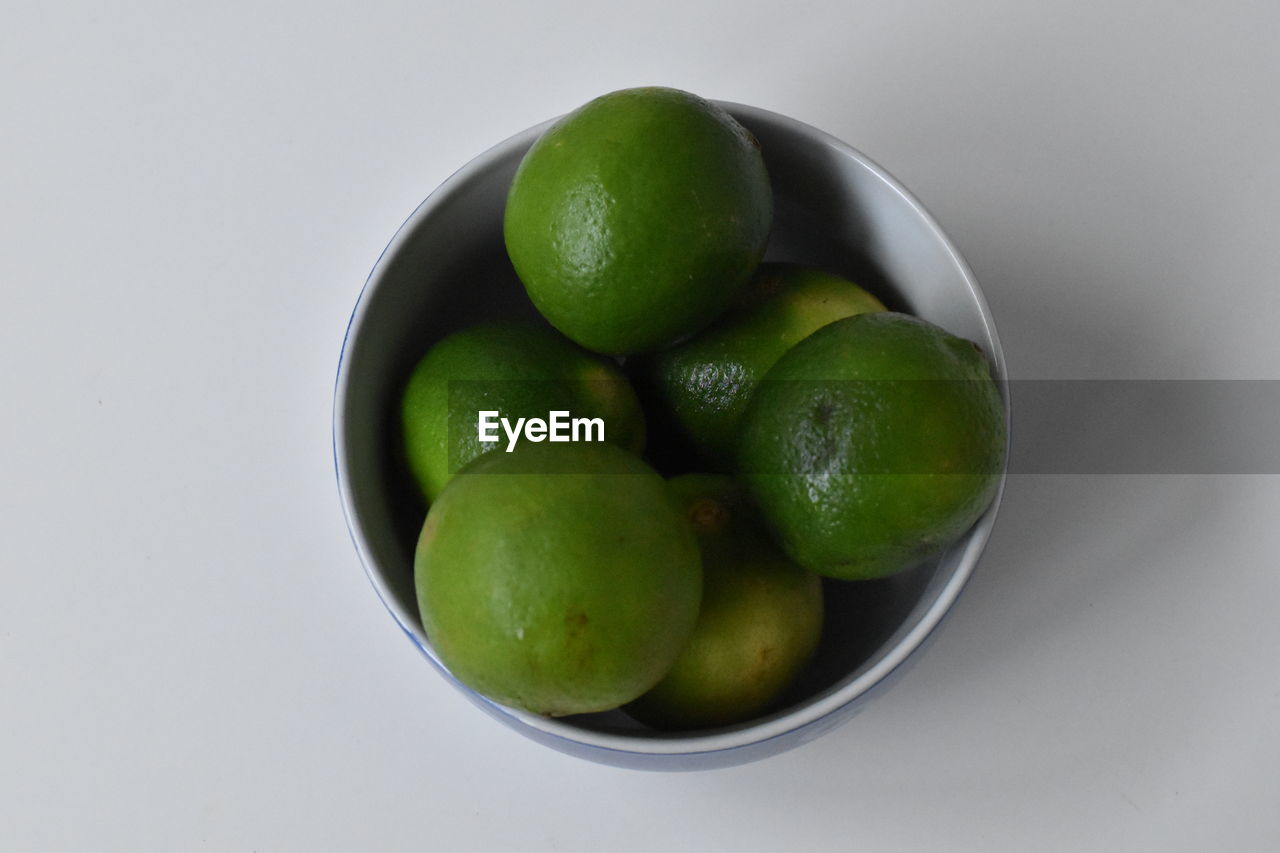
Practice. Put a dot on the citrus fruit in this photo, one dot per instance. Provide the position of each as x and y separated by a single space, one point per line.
873 443
558 578
702 385
520 371
760 620
634 220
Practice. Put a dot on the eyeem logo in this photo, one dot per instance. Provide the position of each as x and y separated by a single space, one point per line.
558 426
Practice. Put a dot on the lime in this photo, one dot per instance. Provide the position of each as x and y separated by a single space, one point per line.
559 578
634 220
519 371
760 621
702 386
873 443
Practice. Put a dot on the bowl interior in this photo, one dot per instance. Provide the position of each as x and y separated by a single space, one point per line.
447 268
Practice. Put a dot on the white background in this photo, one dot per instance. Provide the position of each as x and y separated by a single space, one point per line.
192 196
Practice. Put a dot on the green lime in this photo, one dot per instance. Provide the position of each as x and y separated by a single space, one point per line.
702 386
873 444
518 371
634 220
760 621
559 578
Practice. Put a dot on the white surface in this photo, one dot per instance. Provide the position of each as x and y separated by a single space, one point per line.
190 656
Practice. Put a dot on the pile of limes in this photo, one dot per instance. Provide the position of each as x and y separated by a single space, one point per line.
805 433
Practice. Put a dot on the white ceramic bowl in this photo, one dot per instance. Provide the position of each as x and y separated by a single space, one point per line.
446 268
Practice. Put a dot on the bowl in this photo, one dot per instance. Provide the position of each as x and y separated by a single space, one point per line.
446 268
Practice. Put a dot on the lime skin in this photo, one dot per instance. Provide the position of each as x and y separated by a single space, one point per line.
634 220
700 388
760 621
559 578
873 444
518 370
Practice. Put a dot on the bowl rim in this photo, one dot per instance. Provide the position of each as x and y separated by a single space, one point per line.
813 711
